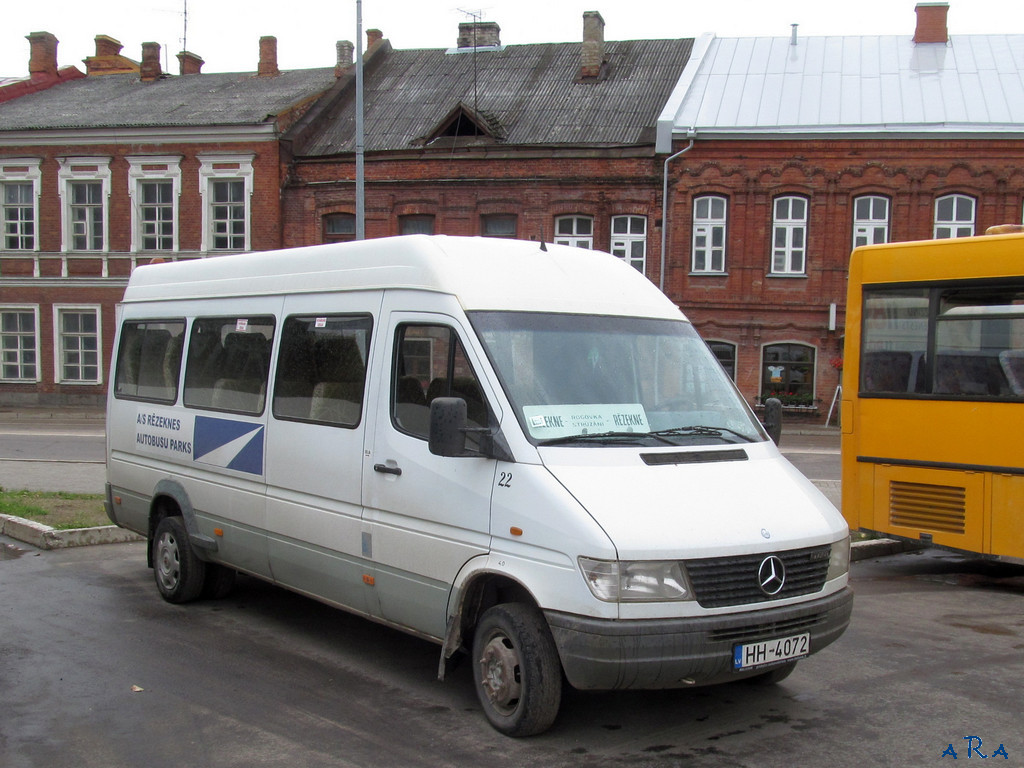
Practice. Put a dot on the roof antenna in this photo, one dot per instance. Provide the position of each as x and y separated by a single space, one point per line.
476 16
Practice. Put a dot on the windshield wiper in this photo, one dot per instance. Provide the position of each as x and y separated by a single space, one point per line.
701 430
607 437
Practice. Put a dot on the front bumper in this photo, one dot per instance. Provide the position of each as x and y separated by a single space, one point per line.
603 654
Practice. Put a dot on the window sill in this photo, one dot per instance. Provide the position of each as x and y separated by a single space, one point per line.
788 275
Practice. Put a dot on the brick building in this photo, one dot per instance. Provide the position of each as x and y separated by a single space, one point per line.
791 151
548 141
122 165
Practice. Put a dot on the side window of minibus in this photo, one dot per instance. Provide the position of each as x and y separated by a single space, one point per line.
149 360
228 363
430 362
321 370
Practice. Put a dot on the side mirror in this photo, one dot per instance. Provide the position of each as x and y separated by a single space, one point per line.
773 418
448 426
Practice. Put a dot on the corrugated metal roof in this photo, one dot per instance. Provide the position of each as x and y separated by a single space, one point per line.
874 84
123 101
530 90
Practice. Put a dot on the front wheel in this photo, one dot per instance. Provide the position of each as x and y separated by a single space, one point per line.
180 575
517 673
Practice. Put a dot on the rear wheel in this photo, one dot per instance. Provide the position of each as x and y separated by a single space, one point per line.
517 674
180 575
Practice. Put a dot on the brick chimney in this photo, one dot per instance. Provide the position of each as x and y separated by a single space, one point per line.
479 34
931 23
108 59
373 36
43 57
592 53
149 69
345 50
189 63
268 57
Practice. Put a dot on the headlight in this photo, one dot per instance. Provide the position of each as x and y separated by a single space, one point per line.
839 561
640 581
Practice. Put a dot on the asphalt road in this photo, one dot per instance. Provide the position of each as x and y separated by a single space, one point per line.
97 670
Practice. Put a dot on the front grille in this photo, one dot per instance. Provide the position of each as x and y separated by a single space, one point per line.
724 581
928 507
753 632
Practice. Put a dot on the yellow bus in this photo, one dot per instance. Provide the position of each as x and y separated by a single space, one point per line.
932 407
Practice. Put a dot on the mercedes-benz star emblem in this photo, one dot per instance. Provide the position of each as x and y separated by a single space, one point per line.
771 575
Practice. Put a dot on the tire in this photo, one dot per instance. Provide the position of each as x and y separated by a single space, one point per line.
773 676
517 673
219 582
180 575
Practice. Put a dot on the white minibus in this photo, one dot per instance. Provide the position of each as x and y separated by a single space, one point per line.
523 452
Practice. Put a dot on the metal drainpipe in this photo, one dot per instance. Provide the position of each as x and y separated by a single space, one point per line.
664 205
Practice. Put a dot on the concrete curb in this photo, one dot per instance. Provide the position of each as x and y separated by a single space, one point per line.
46 537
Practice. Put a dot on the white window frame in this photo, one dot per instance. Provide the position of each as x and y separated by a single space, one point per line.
624 244
58 343
580 237
225 167
706 257
955 227
23 309
157 168
871 229
21 170
788 256
83 169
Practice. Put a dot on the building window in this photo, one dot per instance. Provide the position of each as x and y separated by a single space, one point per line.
78 345
787 372
954 216
84 184
228 216
575 230
339 227
419 224
870 220
19 209
226 184
154 187
19 348
725 353
499 225
789 236
709 234
629 240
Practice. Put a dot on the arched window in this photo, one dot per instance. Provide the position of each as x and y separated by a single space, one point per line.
575 230
726 354
789 236
954 216
787 372
709 234
870 220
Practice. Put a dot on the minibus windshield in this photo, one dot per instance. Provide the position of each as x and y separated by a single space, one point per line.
603 380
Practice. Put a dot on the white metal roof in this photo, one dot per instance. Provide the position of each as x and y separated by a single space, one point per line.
482 273
974 84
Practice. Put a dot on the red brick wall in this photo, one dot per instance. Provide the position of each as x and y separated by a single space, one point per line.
750 308
84 284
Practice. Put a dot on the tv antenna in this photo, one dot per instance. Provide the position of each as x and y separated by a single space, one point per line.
477 16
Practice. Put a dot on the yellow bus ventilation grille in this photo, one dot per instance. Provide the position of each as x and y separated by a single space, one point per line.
928 507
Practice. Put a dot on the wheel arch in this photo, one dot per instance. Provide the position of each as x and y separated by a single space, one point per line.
476 594
169 499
